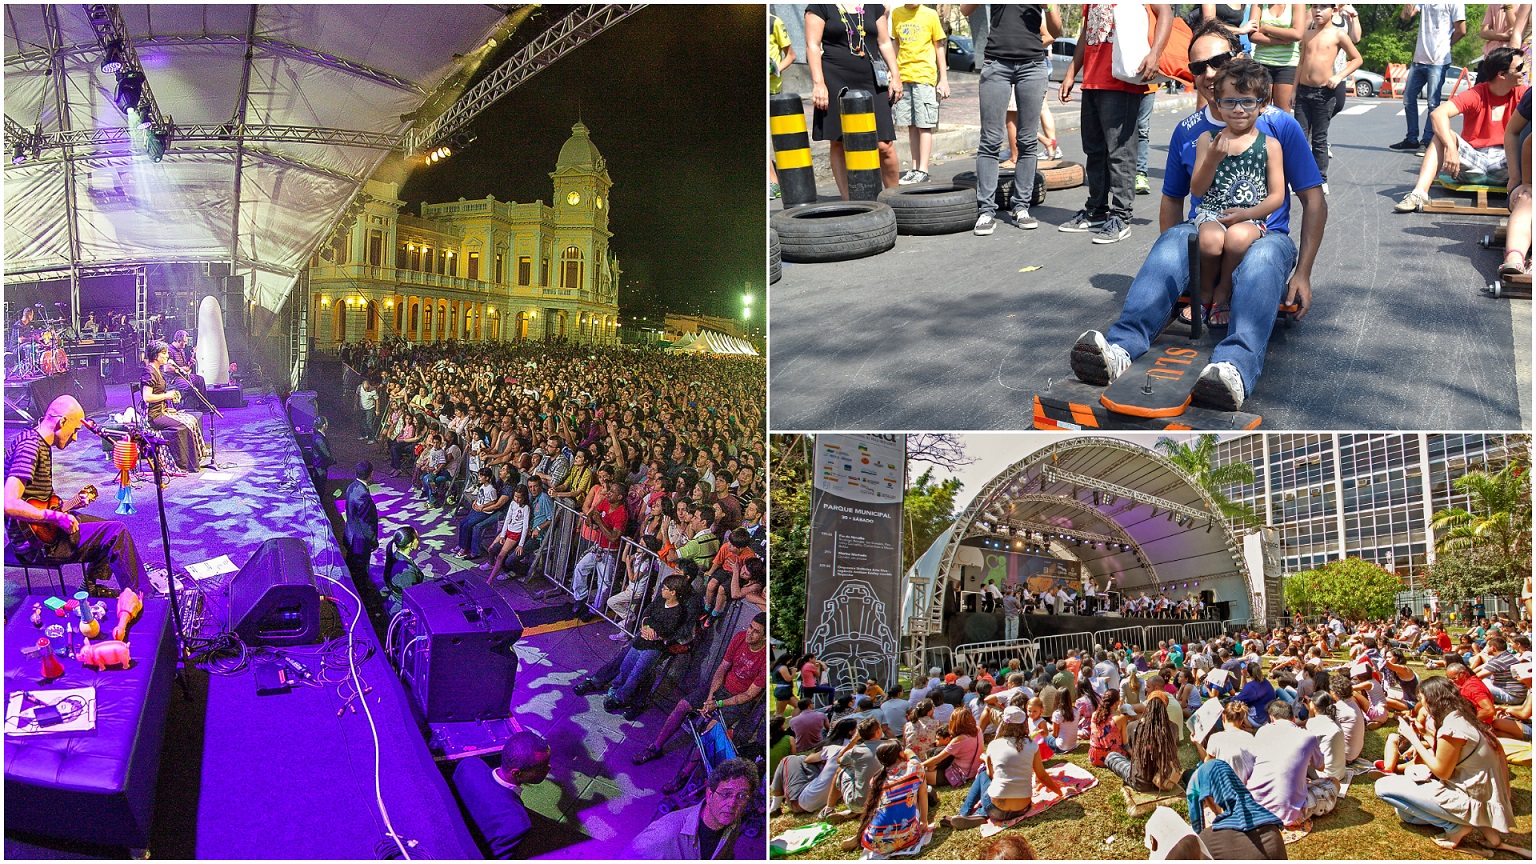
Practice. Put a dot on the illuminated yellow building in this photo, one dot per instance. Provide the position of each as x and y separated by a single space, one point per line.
476 270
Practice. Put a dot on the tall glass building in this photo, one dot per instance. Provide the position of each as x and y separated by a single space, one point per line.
1367 495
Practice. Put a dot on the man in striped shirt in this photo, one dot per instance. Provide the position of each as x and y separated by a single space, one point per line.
103 546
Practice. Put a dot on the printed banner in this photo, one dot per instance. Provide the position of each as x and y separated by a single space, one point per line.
853 584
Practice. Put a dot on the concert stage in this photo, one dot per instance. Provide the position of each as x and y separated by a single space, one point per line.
964 628
292 775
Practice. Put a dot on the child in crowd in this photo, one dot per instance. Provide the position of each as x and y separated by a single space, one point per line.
1240 178
920 57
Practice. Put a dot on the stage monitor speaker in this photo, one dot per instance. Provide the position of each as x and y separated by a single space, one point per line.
465 667
970 578
84 384
228 396
302 412
273 599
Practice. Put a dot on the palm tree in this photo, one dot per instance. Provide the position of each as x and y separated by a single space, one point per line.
1498 523
1198 462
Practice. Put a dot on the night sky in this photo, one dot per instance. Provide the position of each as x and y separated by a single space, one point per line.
674 98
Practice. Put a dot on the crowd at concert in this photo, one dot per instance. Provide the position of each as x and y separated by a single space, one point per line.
666 450
1274 721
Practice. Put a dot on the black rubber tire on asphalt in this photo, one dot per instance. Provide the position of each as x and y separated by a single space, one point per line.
932 208
1005 177
834 231
775 257
1061 174
1365 89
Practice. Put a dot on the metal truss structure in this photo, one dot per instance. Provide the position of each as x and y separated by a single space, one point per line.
107 21
233 131
570 32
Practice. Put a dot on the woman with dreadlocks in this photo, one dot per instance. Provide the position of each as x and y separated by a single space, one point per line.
896 806
1153 765
1468 788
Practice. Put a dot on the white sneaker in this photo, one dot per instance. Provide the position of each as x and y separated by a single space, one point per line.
1412 202
1095 361
1220 386
906 177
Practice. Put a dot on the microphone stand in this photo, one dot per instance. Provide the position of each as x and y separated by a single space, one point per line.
213 448
151 443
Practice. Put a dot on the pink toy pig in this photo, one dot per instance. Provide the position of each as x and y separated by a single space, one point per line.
103 654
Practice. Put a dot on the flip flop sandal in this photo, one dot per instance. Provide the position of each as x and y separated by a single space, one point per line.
1218 315
1512 269
1184 313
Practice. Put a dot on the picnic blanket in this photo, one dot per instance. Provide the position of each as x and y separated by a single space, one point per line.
1296 832
802 839
904 853
1074 781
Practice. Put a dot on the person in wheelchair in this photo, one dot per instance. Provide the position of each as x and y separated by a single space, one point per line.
732 690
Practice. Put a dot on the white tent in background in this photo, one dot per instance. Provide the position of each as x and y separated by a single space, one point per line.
712 342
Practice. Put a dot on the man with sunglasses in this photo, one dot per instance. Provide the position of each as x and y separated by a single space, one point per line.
1477 154
1259 282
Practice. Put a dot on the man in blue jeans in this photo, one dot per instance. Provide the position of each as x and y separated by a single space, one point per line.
1260 280
1441 25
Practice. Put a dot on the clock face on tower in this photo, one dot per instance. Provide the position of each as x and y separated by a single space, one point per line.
573 199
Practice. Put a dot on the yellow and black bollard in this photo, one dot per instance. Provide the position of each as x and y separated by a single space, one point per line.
861 147
791 149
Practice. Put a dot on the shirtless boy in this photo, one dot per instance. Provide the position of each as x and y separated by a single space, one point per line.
1316 79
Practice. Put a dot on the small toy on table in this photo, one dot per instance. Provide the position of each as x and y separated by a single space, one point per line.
89 628
103 654
37 615
52 668
129 605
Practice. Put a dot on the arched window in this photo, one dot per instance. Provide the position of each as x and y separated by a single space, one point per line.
570 268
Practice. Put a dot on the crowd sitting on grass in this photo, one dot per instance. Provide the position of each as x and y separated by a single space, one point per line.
1277 718
663 451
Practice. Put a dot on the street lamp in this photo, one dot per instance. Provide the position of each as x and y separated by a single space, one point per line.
746 307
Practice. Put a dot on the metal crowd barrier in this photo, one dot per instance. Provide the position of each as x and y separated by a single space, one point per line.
1162 632
1202 630
997 654
1232 625
564 550
918 663
624 613
1049 648
1123 635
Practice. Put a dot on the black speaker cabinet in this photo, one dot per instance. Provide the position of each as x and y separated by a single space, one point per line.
227 396
84 384
464 665
1208 596
970 578
273 599
302 411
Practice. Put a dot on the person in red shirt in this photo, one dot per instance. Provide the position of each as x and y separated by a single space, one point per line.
1477 154
1110 109
607 519
1474 689
732 691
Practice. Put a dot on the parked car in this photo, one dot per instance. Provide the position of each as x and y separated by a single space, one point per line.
959 55
1365 83
1061 57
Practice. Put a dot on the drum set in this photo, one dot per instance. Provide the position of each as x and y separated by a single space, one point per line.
38 346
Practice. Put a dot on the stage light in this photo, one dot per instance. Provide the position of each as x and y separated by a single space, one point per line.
20 155
1095 497
112 58
159 141
130 88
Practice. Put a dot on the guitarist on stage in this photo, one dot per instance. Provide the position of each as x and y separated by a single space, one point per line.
54 536
181 363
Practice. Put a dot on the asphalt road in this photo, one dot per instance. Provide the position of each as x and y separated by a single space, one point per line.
946 333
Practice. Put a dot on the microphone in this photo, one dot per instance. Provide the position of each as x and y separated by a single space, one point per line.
91 427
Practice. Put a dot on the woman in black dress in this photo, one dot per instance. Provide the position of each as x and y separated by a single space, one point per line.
841 40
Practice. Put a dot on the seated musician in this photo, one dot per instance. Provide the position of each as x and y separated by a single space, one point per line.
103 546
186 429
183 374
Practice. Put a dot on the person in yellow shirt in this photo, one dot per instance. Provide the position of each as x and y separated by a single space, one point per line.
921 59
780 54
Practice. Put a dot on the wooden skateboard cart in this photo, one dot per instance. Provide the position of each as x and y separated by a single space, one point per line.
1155 393
1480 208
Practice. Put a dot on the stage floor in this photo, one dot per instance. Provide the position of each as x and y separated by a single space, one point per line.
284 776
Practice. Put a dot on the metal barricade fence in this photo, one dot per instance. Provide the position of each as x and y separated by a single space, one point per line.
941 656
1123 635
996 654
1162 633
1050 648
637 582
578 565
1202 630
1232 625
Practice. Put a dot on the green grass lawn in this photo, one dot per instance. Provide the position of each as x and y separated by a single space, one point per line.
1095 825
